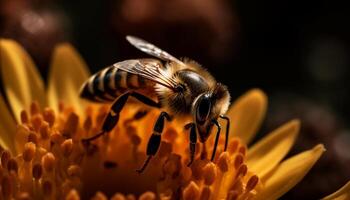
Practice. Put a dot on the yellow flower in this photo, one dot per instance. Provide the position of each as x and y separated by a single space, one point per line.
43 156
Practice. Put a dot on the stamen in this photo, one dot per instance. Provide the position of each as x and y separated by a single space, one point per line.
172 165
91 149
191 191
209 173
99 196
242 171
37 171
223 162
49 116
242 150
252 182
204 153
48 162
136 141
5 157
56 138
60 106
118 196
130 197
232 146
132 133
29 151
34 108
21 136
147 196
36 121
14 181
186 174
67 147
53 155
205 194
32 137
170 135
74 171
44 131
71 125
12 165
165 149
232 195
6 187
87 124
72 195
238 160
24 117
47 188
102 113
238 186
197 167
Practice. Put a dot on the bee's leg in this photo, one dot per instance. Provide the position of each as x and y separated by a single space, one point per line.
193 141
216 138
154 141
227 129
113 116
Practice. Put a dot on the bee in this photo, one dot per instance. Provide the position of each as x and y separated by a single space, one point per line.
181 89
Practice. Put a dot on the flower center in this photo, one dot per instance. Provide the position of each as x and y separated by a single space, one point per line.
53 162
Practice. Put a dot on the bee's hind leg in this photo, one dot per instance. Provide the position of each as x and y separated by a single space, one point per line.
113 116
155 139
193 141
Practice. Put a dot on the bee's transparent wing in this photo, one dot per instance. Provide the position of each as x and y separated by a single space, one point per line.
148 69
151 49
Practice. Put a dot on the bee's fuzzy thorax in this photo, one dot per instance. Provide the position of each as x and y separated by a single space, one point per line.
222 99
181 103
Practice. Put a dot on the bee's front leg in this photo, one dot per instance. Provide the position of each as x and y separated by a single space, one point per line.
193 141
216 138
155 139
227 129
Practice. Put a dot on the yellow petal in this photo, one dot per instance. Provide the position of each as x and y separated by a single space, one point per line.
67 74
289 173
267 153
341 194
247 113
22 81
7 128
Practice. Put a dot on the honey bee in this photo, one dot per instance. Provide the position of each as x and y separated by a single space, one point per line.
182 89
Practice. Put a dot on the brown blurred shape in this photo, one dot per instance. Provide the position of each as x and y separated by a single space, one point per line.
33 25
204 30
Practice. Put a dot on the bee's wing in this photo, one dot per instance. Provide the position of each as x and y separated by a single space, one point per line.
149 69
151 49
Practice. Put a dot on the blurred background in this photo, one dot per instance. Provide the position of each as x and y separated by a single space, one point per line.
296 51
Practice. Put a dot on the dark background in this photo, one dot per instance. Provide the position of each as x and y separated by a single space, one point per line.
296 51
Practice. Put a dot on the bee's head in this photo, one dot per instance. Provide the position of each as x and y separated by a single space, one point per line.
209 106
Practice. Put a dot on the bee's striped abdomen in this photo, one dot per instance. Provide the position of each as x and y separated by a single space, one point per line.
108 84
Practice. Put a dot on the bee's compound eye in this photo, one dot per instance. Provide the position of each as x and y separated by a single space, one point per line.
203 109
